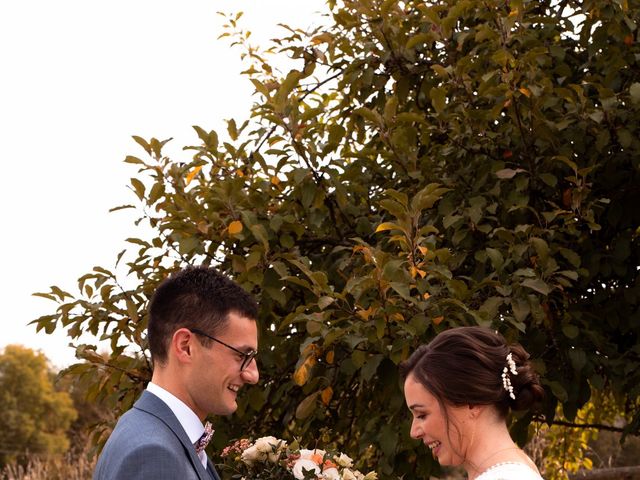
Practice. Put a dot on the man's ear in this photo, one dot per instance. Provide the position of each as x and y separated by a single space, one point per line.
182 345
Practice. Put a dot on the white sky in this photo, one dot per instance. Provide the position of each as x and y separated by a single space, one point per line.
77 79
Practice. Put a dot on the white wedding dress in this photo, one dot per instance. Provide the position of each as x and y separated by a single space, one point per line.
509 471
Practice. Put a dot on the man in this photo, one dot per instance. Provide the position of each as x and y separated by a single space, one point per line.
203 340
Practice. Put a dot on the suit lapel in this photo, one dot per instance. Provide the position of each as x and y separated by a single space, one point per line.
212 470
154 406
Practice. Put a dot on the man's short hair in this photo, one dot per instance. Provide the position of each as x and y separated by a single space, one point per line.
196 297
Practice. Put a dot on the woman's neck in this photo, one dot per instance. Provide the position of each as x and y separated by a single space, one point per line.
492 444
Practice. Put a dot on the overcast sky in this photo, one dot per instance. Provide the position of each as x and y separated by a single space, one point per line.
79 77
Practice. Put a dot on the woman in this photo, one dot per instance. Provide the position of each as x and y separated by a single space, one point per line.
460 388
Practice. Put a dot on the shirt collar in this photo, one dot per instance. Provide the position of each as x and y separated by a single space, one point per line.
187 418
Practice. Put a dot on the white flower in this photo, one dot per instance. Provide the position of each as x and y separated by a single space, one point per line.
269 444
310 454
270 447
252 455
343 460
347 474
303 464
331 474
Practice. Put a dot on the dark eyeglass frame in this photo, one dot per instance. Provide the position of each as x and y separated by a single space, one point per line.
246 356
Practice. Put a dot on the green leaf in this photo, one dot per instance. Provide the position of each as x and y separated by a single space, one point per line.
138 188
232 129
370 367
260 234
324 302
419 39
143 143
132 159
285 89
307 406
438 98
634 91
538 285
571 331
507 173
390 109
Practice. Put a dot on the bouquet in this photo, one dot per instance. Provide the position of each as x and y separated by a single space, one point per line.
271 458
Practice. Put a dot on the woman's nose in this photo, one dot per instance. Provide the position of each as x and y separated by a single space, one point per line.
416 431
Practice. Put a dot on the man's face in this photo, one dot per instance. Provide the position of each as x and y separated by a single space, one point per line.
215 377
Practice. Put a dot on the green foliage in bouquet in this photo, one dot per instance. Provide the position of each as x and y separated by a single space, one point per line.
423 165
270 458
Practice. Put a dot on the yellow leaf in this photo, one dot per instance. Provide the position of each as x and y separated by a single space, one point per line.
330 357
422 273
302 374
192 174
235 227
326 395
240 173
275 180
387 226
397 317
426 296
438 320
513 12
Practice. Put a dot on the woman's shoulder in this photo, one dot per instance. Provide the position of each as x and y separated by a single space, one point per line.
509 471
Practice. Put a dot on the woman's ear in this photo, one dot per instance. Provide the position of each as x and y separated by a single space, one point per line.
475 411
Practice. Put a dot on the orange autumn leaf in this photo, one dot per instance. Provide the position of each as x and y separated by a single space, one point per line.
192 174
330 357
525 91
326 395
438 320
365 314
235 227
302 374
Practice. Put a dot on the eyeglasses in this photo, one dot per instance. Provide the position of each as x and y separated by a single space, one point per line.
246 356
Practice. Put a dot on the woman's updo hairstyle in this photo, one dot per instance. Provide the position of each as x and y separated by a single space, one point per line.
464 366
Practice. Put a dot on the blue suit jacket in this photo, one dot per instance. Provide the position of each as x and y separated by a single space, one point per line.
149 443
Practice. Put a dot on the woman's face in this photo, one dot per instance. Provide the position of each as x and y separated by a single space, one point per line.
447 440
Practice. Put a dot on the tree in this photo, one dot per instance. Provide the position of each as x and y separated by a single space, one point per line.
426 165
35 416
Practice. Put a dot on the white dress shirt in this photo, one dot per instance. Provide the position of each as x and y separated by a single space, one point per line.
187 418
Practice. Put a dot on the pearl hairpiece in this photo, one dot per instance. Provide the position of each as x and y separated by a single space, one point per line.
506 380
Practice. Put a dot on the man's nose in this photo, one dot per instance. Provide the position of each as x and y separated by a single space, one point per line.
250 374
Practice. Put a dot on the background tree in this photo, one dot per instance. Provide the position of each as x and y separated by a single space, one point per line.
425 165
35 415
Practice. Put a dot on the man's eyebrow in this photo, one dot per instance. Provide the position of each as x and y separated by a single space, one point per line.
247 349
